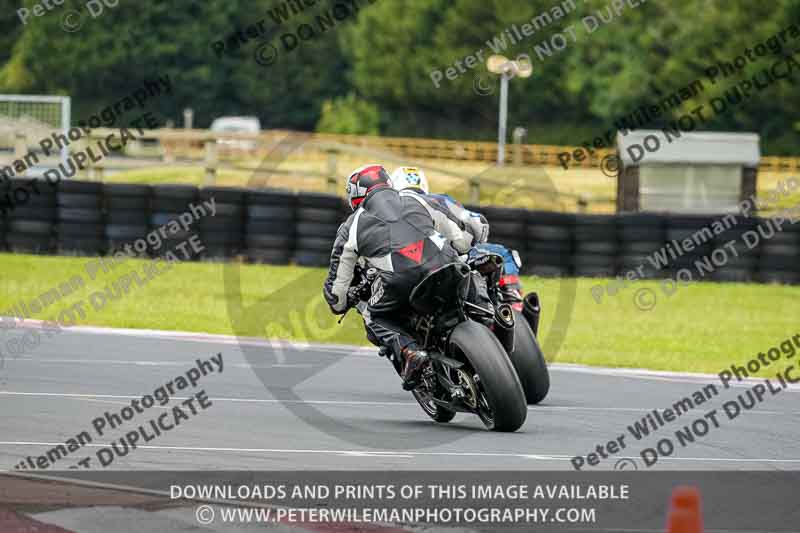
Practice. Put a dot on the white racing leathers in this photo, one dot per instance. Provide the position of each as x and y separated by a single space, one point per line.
475 223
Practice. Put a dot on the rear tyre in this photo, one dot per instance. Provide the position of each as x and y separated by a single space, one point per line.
529 362
502 401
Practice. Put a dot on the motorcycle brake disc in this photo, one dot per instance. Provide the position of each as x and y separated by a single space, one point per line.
464 379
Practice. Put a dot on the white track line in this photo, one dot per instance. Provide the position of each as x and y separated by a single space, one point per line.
363 351
537 408
624 373
60 360
195 337
393 453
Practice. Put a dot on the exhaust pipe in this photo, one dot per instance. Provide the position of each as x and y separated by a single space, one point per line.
531 310
504 326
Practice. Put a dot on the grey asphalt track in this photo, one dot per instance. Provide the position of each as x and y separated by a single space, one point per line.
53 393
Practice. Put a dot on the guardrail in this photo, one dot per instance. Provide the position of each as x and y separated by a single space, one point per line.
517 154
279 227
248 154
215 152
211 148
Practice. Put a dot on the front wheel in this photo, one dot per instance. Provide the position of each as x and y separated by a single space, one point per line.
501 401
529 362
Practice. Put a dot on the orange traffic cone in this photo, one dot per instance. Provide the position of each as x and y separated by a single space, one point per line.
685 515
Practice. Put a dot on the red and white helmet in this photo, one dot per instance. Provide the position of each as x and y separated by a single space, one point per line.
364 180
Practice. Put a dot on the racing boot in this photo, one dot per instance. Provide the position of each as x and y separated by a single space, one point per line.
416 361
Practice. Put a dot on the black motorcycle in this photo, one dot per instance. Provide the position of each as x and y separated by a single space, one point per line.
526 355
468 340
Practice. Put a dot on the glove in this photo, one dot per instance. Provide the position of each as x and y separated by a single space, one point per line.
478 226
483 224
353 296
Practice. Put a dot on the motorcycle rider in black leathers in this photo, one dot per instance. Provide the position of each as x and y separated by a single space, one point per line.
404 237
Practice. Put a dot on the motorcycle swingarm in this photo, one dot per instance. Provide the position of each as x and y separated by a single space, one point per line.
446 361
442 375
454 406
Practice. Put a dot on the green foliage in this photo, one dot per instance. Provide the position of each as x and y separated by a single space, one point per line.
112 54
388 52
10 27
606 72
10 31
349 115
664 46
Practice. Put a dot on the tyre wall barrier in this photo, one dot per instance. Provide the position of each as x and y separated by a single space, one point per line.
650 245
280 227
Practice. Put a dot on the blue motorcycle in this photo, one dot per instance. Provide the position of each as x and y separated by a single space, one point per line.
505 287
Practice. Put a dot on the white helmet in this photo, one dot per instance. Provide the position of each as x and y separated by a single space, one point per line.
410 178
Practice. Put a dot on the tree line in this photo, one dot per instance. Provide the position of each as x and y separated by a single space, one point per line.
403 67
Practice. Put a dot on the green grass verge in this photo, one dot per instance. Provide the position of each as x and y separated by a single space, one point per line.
701 328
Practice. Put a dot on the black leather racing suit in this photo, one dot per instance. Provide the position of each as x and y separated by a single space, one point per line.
404 236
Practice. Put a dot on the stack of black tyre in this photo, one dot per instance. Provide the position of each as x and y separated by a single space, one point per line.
81 221
269 231
640 235
506 227
596 246
779 260
127 215
4 207
222 234
318 218
735 261
169 202
696 231
32 218
550 244
279 227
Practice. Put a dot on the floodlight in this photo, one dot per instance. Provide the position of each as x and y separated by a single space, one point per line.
497 64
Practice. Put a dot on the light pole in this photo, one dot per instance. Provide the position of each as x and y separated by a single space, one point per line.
507 70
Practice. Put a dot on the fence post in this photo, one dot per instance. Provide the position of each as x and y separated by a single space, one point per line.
90 166
188 118
475 190
167 147
95 170
20 145
211 162
332 180
519 135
